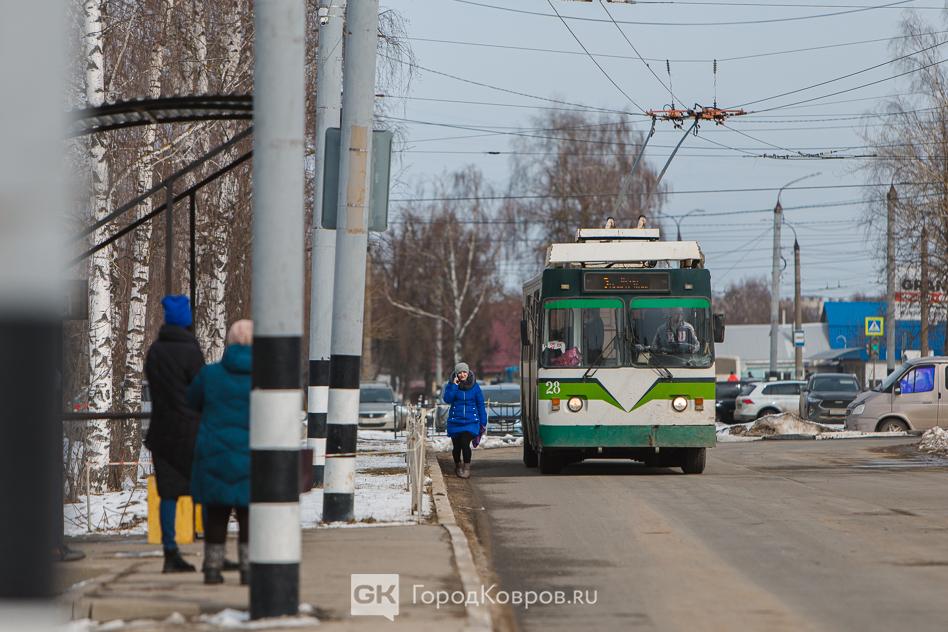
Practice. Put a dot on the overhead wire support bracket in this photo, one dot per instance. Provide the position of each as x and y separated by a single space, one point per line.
697 114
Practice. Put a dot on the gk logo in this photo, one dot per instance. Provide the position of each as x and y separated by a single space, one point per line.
375 595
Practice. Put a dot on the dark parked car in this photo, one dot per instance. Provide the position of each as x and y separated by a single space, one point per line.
827 395
503 408
725 393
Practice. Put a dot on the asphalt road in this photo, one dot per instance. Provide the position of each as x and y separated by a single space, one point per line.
802 535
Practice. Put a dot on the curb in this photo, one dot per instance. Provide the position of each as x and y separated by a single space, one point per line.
478 616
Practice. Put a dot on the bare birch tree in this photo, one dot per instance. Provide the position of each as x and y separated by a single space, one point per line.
912 150
100 266
440 264
141 249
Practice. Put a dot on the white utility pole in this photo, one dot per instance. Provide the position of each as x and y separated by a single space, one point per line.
276 396
891 200
355 177
328 110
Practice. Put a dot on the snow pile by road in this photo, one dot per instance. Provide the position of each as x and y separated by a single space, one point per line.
780 424
443 443
934 441
784 424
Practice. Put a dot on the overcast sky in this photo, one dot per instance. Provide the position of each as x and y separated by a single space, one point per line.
835 249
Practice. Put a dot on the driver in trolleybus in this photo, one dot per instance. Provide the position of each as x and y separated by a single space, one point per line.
676 336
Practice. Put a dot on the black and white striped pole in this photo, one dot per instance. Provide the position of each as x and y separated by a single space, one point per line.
276 397
355 176
328 109
32 297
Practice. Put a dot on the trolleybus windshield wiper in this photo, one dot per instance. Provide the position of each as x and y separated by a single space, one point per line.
662 371
595 363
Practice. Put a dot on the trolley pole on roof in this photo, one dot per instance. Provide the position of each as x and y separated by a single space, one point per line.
276 396
328 109
355 176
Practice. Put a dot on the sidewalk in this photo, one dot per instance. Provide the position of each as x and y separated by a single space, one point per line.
121 579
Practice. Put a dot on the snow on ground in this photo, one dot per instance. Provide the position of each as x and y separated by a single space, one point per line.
124 512
382 494
934 441
229 618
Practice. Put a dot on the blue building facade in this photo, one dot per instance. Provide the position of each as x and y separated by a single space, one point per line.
846 329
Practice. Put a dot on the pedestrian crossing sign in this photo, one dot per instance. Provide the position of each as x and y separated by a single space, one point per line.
874 325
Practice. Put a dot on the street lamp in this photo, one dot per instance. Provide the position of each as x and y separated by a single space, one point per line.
678 219
775 276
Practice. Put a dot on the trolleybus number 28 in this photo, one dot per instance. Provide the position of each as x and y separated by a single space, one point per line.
552 388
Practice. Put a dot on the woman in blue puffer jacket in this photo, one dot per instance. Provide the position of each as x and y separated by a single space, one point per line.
467 419
220 476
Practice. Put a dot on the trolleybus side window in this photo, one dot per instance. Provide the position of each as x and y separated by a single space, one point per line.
581 332
671 332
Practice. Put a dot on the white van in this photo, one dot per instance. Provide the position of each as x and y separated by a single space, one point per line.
913 397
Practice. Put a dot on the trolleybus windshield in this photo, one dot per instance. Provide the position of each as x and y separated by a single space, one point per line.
577 332
671 332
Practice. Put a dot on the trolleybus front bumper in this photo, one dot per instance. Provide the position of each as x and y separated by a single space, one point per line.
627 436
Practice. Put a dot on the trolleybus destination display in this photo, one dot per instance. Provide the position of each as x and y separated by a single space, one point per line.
625 281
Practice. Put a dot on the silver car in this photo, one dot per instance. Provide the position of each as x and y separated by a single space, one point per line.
767 398
378 408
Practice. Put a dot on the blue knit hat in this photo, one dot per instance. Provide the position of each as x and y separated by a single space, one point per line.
177 310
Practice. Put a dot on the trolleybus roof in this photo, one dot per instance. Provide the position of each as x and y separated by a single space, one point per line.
598 254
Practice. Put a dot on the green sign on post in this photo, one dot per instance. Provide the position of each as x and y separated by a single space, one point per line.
381 173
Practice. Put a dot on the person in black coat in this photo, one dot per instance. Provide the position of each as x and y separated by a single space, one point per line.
172 362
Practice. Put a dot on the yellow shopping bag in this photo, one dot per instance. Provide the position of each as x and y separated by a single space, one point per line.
186 518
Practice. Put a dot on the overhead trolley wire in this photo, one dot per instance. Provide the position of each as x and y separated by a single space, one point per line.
667 88
589 108
859 87
673 60
593 59
726 23
841 77
822 187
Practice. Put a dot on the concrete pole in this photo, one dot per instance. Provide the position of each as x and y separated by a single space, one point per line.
32 127
276 398
328 110
775 290
891 199
797 312
355 173
923 294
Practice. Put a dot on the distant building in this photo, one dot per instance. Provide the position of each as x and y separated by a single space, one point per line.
837 343
846 328
750 344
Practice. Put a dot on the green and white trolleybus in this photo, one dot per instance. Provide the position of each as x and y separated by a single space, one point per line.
617 353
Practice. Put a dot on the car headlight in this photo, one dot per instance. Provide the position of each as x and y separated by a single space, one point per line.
680 403
858 410
575 404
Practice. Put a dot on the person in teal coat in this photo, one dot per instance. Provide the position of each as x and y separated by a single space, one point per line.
467 419
220 475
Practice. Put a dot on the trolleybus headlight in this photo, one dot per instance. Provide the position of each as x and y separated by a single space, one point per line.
575 404
680 403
